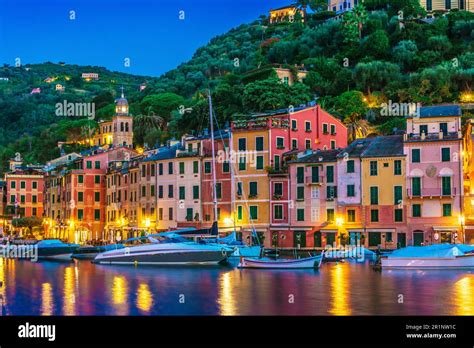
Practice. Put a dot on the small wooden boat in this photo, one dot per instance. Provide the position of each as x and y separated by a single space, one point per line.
305 263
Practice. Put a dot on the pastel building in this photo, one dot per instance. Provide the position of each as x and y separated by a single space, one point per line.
468 157
434 167
314 216
384 204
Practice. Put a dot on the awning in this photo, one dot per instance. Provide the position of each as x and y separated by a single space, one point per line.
445 228
446 172
416 173
381 230
355 230
328 231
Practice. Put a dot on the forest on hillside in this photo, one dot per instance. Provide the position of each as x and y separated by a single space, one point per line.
381 51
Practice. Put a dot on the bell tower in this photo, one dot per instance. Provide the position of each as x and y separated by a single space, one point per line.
122 123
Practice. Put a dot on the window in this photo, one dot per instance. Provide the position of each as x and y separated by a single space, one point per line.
182 192
329 215
276 162
445 154
398 215
351 190
239 212
294 125
160 191
259 164
96 179
416 186
160 214
333 129
97 214
225 167
170 191
195 167
307 126
196 192
286 80
446 209
207 167
80 179
350 166
97 196
397 167
170 167
80 214
143 191
89 164
333 144
13 184
373 168
280 142
374 195
259 143
325 128
397 195
307 144
253 212
330 174
300 175
242 163
242 144
389 237
278 189
97 165
443 127
253 188
300 193
189 214
446 185
22 184
415 155
294 144
181 167
300 214
33 199
278 212
374 215
351 215
429 5
170 214
416 210
239 188
218 190
315 174
447 4
80 196
331 192
160 169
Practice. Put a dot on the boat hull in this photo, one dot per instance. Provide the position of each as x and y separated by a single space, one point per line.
166 258
460 262
57 257
306 263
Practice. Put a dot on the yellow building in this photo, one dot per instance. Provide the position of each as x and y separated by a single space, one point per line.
446 5
284 14
468 170
383 193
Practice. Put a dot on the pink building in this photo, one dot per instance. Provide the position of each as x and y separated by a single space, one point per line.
433 146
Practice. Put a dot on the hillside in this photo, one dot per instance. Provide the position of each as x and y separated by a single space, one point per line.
350 72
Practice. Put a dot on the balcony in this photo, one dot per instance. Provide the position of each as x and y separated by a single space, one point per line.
415 137
280 171
431 192
310 180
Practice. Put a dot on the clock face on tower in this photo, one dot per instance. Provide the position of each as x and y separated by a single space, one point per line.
431 171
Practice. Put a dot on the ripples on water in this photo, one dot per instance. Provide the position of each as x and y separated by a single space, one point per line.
82 288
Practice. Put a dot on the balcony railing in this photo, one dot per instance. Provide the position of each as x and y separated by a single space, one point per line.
272 171
311 180
432 192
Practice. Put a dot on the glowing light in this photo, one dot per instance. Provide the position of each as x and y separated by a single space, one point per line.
69 300
461 219
340 299
462 296
119 294
226 298
467 97
47 304
228 221
144 298
339 221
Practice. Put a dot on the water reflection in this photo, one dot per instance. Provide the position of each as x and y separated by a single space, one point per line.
144 298
52 288
339 283
464 295
227 296
47 305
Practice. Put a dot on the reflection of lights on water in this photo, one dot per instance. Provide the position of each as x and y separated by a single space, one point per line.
46 299
69 300
3 298
339 290
463 296
144 298
226 298
119 294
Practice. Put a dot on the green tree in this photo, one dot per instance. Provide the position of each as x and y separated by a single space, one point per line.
161 104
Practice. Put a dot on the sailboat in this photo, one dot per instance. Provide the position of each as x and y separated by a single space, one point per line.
241 249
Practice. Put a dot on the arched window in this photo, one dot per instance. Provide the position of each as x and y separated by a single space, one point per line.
126 127
121 126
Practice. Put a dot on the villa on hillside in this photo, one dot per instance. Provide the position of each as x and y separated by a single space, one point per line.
341 6
284 14
286 73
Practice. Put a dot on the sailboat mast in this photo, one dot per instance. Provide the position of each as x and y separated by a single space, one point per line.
214 189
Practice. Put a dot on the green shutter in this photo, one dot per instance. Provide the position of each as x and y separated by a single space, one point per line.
415 155
374 195
350 166
445 154
416 186
300 175
397 195
259 144
239 212
259 162
330 174
446 185
315 174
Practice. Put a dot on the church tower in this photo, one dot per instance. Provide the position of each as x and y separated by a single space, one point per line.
122 123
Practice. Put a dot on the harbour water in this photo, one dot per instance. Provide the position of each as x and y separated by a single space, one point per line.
82 288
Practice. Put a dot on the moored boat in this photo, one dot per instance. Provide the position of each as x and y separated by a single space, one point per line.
55 249
89 252
439 256
304 263
165 248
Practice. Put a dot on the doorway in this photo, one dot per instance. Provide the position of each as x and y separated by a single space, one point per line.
375 239
418 238
401 240
317 240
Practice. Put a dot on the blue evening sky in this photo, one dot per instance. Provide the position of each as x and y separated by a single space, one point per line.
105 32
